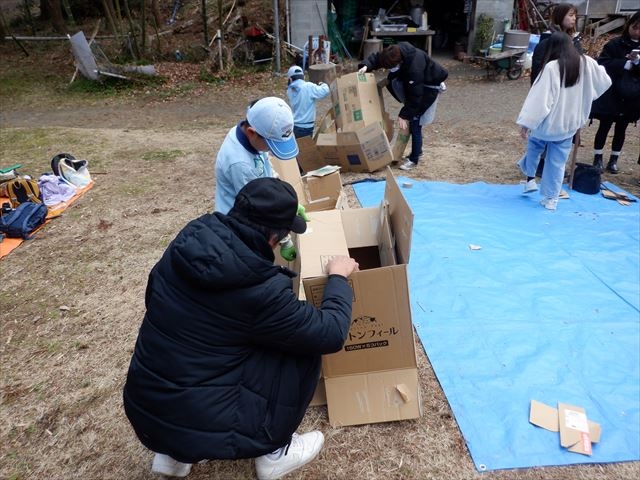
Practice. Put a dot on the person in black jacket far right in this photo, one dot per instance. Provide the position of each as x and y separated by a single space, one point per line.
621 57
415 80
227 358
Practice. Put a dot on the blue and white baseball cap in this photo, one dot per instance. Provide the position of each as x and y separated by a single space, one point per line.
272 118
295 71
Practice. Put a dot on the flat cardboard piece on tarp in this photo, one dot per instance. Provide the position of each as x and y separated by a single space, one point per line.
574 429
570 422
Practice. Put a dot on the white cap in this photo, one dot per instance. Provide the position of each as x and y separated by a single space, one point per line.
272 118
295 70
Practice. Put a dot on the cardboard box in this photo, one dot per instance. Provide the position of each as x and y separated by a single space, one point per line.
319 189
309 157
356 101
356 133
365 150
374 378
577 432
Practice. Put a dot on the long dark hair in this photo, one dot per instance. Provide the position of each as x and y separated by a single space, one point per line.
557 16
560 47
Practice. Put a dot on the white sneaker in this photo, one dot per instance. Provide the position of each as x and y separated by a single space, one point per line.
301 450
407 165
549 203
529 186
165 465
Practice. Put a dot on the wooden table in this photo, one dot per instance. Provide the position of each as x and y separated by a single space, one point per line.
428 34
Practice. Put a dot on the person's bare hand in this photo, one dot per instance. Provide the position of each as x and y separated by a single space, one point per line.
524 132
363 69
403 124
342 265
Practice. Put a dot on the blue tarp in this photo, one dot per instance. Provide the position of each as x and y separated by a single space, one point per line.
548 308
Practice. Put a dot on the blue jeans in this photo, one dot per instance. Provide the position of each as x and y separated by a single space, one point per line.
416 139
554 163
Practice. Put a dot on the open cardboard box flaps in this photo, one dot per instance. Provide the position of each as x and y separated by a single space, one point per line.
374 378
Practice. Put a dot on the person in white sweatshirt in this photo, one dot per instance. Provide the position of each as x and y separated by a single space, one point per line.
557 105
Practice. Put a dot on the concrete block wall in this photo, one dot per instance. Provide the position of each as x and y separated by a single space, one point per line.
307 19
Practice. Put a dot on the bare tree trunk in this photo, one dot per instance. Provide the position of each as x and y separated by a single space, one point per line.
108 11
27 12
143 28
132 31
57 20
4 31
156 12
204 23
67 9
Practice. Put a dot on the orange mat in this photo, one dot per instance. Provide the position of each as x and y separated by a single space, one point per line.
8 245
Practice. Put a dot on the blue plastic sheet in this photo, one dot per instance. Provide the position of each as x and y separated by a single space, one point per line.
548 308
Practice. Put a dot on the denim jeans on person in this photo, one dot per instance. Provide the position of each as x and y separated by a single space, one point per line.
300 132
554 164
416 139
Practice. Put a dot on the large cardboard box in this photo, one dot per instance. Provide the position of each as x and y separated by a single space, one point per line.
364 150
374 378
356 101
356 136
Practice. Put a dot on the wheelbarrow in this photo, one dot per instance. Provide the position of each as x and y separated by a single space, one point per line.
510 61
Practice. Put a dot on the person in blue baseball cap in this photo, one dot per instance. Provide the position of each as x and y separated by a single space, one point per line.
302 97
243 155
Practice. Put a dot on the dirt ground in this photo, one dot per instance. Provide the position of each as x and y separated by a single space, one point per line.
71 300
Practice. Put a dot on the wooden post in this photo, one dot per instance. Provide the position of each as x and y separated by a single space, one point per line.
322 72
573 155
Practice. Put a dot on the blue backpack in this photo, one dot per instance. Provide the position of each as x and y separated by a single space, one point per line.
22 220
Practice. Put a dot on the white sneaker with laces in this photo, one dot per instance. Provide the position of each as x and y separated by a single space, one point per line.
165 465
529 186
301 450
407 165
549 203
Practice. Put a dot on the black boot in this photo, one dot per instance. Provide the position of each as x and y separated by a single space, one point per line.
597 162
612 165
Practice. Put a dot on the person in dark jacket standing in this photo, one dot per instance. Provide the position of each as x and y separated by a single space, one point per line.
564 17
227 358
619 105
415 80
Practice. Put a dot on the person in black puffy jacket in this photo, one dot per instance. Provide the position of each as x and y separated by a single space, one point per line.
227 358
564 17
421 78
620 56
